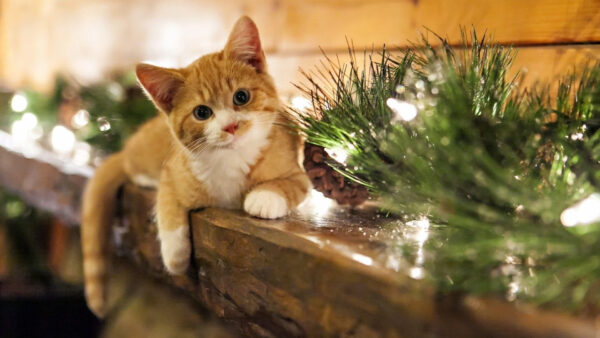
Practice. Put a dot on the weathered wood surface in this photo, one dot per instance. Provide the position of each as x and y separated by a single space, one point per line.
46 181
317 273
323 276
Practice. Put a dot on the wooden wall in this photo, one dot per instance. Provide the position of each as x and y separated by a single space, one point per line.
89 38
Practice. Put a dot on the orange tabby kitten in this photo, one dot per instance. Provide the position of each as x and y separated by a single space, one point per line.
220 141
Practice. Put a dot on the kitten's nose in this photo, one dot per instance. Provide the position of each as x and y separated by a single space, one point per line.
231 128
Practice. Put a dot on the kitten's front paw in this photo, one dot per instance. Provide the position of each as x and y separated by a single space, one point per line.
176 249
265 204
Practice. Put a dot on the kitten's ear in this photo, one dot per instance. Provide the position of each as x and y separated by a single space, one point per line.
244 44
161 84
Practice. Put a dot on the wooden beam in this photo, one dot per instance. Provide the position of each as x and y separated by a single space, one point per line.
42 179
332 273
90 39
327 23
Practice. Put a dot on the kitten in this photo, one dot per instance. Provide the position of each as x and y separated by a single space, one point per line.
219 141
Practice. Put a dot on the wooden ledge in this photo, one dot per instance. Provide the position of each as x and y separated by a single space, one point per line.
317 273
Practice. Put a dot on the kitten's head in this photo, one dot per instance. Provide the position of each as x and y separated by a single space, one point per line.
220 100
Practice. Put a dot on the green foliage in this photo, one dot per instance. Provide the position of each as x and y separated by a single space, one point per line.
492 163
120 103
117 102
24 228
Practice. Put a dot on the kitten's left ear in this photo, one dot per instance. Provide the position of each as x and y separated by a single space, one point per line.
244 44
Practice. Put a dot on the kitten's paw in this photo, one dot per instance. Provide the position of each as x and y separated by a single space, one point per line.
265 204
175 248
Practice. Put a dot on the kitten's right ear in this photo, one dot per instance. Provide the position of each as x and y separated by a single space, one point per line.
161 84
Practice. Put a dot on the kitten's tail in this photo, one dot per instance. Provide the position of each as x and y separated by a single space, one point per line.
98 211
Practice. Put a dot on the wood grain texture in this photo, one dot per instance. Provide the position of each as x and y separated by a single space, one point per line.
542 63
300 276
326 23
90 39
310 274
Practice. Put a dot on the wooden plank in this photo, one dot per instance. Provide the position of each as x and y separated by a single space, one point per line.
90 39
315 275
42 178
326 23
543 63
320 272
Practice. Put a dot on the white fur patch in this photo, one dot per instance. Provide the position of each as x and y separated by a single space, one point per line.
145 181
175 248
224 170
265 204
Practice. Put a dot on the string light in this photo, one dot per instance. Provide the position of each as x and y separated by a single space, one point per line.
402 109
416 272
81 154
80 119
29 120
26 129
37 132
18 103
18 131
62 140
115 91
301 103
338 153
583 212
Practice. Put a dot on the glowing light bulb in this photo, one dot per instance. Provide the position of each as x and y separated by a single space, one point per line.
577 136
402 109
81 154
37 132
416 272
18 102
584 212
115 91
62 140
338 154
29 120
18 131
301 103
80 119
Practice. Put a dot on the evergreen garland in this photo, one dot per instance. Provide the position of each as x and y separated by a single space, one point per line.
508 175
114 109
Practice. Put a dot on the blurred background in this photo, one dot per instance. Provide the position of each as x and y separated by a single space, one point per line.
90 39
68 94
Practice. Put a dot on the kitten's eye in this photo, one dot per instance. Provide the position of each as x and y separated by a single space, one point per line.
202 112
241 97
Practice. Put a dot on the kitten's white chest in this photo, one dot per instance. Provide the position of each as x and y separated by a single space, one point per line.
224 172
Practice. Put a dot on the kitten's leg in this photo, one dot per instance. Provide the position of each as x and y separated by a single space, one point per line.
275 198
173 230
